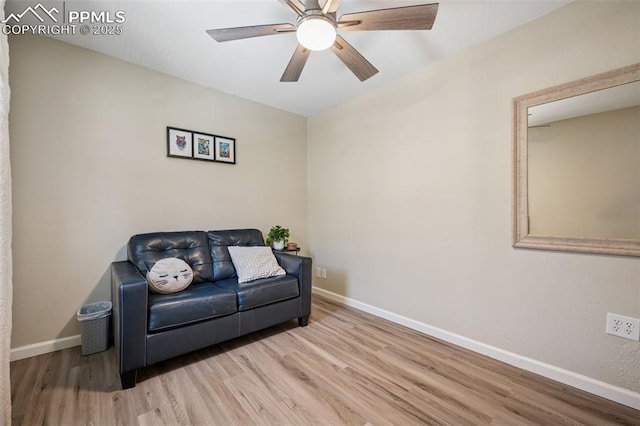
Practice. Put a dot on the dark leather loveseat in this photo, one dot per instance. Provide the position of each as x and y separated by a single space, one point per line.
149 327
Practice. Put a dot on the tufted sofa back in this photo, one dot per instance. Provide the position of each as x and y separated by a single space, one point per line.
192 246
220 240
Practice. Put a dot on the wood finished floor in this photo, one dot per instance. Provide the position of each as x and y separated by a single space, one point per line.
346 367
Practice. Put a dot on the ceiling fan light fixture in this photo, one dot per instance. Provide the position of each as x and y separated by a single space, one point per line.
316 32
317 27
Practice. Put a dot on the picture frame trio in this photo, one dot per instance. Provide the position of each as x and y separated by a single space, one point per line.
193 145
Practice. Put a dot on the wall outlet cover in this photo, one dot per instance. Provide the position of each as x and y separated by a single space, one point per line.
622 326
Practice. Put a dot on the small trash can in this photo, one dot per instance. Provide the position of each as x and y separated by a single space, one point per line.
94 327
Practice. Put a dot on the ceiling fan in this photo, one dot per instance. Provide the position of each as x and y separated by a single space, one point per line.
316 29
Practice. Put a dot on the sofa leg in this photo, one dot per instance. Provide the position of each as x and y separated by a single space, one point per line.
303 321
128 379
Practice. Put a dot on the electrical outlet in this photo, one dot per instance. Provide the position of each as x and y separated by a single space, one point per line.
627 327
318 272
324 273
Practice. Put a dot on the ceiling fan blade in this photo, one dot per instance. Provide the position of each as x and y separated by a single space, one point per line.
238 33
419 17
329 6
296 5
296 64
353 59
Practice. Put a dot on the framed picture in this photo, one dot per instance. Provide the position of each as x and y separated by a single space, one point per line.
179 143
225 150
203 146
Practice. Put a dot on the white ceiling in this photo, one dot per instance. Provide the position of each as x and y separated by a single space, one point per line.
169 36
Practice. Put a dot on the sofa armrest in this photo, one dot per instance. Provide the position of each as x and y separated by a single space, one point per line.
129 296
299 267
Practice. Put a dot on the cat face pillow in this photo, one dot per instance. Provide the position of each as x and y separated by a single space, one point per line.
169 275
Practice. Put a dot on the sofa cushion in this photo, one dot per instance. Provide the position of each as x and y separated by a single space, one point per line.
220 240
252 263
262 292
169 275
192 246
197 303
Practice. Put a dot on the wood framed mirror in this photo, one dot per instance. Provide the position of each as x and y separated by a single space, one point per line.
576 165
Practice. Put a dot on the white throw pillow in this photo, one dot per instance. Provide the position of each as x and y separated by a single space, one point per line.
169 275
253 263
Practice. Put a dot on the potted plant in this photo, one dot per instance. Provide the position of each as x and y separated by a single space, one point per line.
278 237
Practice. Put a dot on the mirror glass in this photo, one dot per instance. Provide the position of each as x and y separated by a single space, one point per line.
577 165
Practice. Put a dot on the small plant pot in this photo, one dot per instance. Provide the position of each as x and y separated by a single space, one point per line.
278 245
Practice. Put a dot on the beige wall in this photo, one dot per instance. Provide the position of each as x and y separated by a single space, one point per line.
88 151
584 176
409 200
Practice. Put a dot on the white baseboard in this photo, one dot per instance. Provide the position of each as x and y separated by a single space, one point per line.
596 387
36 349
